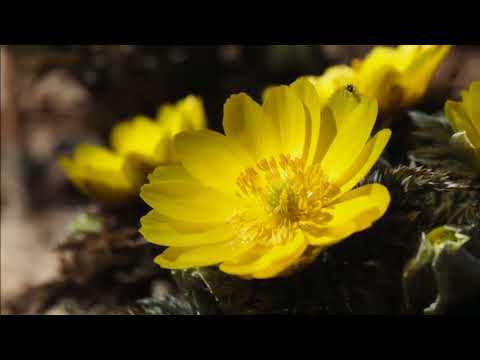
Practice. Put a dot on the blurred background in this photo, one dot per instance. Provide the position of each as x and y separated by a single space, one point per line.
54 97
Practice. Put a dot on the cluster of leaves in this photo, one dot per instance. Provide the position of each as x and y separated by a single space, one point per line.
432 147
437 196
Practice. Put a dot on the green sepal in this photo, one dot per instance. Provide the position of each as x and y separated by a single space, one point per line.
442 273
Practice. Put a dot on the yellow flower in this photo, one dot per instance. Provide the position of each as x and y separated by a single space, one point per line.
334 78
102 174
139 145
396 77
275 190
464 116
151 141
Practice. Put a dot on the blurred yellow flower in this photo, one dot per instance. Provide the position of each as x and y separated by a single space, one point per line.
275 190
101 173
464 116
396 77
139 145
334 78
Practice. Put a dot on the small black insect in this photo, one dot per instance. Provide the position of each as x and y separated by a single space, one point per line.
351 89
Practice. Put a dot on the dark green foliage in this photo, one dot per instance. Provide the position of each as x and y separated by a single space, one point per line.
431 146
438 197
443 274
168 306
458 279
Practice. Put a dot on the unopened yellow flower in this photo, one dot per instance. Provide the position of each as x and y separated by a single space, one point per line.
275 190
464 116
396 77
139 145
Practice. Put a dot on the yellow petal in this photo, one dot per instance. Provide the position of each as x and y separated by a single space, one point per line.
377 57
100 165
457 116
308 95
370 195
98 157
340 106
472 104
465 120
158 229
119 136
463 145
397 77
170 173
272 262
186 114
245 122
266 91
280 266
405 55
351 137
171 119
420 70
184 198
333 79
328 131
354 211
207 255
100 174
329 236
179 226
286 111
140 137
193 111
383 85
214 159
424 60
460 121
68 166
365 161
376 73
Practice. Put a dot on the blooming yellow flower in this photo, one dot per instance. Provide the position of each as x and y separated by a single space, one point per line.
464 116
275 190
396 77
139 145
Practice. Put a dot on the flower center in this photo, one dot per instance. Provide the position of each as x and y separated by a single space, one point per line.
284 195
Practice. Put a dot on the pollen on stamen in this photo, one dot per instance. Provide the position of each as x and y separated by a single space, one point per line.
286 195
